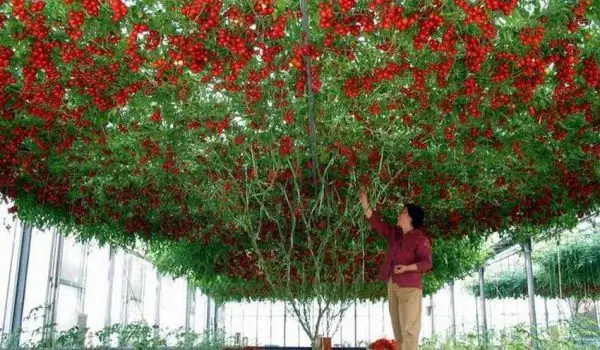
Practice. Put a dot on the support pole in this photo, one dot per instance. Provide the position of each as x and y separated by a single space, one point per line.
484 330
530 290
284 324
453 310
432 316
157 303
477 320
208 313
16 322
546 314
216 316
271 322
355 326
109 293
190 306
597 305
53 285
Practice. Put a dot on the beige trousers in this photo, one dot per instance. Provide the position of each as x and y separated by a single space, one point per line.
405 311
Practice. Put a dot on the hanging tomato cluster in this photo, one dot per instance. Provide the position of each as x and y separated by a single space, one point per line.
192 120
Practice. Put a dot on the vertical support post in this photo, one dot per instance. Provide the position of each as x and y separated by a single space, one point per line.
216 316
189 306
369 321
256 328
597 305
546 314
355 326
109 293
453 311
157 303
125 289
432 316
477 328
208 313
382 319
53 284
271 323
484 330
16 321
530 290
560 290
284 324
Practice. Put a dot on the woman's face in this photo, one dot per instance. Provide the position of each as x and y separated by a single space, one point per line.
404 219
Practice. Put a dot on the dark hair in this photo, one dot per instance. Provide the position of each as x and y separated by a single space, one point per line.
417 214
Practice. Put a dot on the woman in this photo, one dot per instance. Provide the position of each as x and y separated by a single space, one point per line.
408 257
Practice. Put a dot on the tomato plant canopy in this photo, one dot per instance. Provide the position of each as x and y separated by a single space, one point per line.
237 121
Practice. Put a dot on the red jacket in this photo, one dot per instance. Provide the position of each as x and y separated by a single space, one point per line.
403 249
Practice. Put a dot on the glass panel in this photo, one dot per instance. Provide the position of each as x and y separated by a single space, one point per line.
9 230
347 327
172 303
263 330
263 308
236 325
66 307
376 324
150 284
277 327
249 328
37 280
96 287
134 288
200 314
72 265
136 280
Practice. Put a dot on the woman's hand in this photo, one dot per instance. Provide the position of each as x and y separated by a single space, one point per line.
400 269
364 201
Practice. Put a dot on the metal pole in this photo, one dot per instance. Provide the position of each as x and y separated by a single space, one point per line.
189 306
208 306
530 290
256 328
53 284
126 289
477 320
560 290
369 321
597 313
546 313
157 303
355 328
109 293
271 323
284 324
453 310
483 313
382 320
216 316
432 318
21 279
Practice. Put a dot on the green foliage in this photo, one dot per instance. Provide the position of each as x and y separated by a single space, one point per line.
573 269
186 123
453 259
